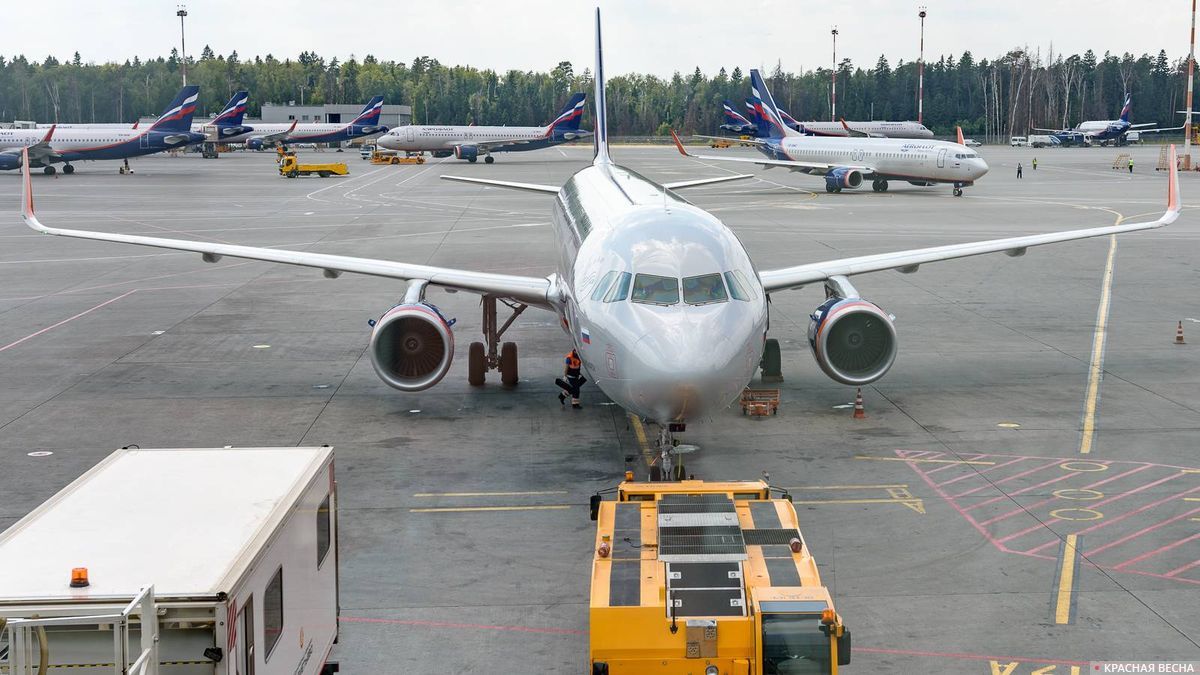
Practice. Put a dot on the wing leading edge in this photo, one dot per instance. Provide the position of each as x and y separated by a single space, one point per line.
908 261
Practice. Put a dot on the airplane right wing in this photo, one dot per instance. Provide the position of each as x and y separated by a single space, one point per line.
534 291
807 167
275 137
740 141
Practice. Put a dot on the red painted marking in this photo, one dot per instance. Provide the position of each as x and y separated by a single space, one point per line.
466 626
64 321
1087 487
1002 481
979 472
1184 568
1020 492
1139 533
966 656
1151 554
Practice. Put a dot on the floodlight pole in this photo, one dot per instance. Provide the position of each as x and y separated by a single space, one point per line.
181 13
833 90
1187 129
921 72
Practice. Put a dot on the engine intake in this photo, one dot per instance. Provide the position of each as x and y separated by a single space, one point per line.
844 178
412 347
852 340
466 151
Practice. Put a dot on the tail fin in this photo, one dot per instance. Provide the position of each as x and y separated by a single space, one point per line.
370 113
788 121
600 102
961 140
1125 110
570 117
234 111
733 117
772 121
178 115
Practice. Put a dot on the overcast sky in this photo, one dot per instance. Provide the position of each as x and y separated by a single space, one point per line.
653 37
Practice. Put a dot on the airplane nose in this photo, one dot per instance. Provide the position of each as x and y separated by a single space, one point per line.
688 372
981 168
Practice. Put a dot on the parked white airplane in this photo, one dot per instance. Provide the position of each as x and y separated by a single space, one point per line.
846 162
663 303
468 142
265 134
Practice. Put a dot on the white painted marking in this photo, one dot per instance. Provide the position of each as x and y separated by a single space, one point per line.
262 346
158 332
415 411
41 453
309 213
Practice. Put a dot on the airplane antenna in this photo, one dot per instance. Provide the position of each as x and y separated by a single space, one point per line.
601 134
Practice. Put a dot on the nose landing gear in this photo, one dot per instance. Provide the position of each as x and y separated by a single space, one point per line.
958 191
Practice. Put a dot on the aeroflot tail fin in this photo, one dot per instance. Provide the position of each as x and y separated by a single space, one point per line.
772 121
732 116
600 103
1127 108
568 119
178 115
370 112
234 111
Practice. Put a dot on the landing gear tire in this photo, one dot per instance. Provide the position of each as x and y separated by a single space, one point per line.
958 192
829 188
49 170
471 159
772 361
879 185
476 364
68 169
489 159
508 364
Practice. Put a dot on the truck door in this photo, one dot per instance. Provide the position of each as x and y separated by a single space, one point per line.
942 158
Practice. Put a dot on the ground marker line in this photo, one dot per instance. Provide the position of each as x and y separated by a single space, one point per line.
1066 581
640 432
460 509
1096 370
845 487
926 461
489 494
64 321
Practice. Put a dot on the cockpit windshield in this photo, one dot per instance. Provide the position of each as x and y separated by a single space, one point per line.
704 289
793 644
651 289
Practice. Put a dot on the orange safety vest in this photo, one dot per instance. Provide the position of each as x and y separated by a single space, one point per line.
573 362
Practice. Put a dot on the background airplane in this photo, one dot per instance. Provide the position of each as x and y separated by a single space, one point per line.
365 124
846 162
468 142
227 124
1106 131
736 122
45 147
881 129
663 303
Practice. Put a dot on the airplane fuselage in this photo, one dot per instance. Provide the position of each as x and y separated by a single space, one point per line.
318 132
664 355
439 139
882 129
99 143
898 159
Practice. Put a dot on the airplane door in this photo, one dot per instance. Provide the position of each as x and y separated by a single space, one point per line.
942 158
144 141
408 136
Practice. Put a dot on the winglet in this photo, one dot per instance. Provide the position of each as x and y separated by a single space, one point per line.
600 135
844 125
961 140
293 127
49 133
1173 205
135 124
679 144
26 189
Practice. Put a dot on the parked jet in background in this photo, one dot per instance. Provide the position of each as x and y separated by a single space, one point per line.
227 124
468 142
1106 131
46 147
846 162
366 124
844 128
737 123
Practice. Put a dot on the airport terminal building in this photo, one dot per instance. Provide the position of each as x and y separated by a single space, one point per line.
336 113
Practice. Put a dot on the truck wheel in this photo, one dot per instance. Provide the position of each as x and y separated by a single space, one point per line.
476 365
323 174
508 364
293 173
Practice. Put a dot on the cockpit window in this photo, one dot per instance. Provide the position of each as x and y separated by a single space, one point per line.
704 289
736 288
619 290
655 290
602 287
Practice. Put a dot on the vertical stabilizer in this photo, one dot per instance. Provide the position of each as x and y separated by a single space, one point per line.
601 103
1127 108
178 115
773 122
234 111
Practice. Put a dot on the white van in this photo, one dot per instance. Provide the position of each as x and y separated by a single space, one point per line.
202 561
1018 141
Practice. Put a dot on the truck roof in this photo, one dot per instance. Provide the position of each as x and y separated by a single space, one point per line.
188 521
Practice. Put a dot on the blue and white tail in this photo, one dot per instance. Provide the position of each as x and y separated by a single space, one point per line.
570 117
1127 108
369 116
733 117
601 133
178 115
773 125
234 111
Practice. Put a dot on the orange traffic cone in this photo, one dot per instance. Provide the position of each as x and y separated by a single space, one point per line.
859 413
1179 335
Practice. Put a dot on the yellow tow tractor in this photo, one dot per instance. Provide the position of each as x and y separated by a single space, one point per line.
291 167
394 158
720 143
712 578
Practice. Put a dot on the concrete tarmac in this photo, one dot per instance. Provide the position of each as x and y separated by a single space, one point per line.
1024 495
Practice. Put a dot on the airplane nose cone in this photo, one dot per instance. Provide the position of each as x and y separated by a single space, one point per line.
687 374
981 168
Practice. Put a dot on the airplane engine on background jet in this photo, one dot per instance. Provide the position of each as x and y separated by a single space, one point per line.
852 340
8 161
228 132
412 346
837 179
467 152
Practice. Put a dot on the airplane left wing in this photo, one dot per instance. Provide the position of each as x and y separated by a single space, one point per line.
529 290
41 152
908 261
277 136
1137 128
809 167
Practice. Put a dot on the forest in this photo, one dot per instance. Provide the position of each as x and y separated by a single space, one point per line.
989 98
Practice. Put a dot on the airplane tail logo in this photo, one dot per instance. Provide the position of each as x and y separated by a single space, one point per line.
369 116
733 117
178 115
234 111
570 117
773 123
1127 108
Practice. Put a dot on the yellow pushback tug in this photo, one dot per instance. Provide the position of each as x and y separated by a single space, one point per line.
708 578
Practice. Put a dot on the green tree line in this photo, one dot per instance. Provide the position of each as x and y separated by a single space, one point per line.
1007 95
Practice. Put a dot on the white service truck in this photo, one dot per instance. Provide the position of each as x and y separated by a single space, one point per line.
216 561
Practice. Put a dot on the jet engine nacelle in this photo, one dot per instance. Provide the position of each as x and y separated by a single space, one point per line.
412 346
238 130
467 152
843 178
852 340
9 161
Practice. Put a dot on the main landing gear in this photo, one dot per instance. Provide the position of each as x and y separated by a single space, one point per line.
489 160
879 185
483 356
49 170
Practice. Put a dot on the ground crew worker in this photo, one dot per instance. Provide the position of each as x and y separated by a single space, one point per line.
572 379
1035 163
1131 165
1018 169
